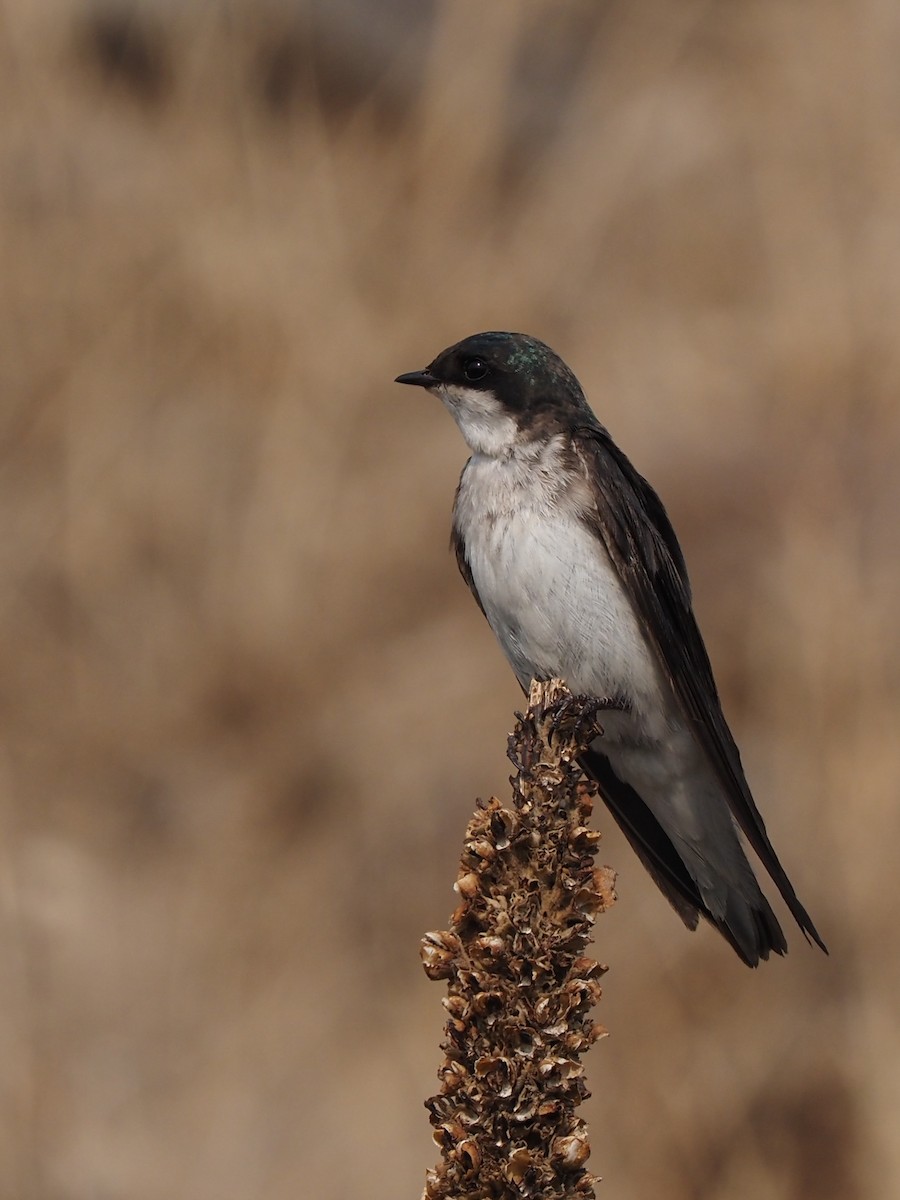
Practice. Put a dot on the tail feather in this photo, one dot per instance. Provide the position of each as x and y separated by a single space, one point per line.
751 927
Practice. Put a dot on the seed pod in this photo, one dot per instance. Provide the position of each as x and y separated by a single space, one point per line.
520 988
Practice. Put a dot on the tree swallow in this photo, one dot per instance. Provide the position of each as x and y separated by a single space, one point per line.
572 559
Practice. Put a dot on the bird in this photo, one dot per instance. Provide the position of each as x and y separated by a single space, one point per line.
573 560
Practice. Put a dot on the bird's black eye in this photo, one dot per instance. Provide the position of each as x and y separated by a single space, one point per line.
475 369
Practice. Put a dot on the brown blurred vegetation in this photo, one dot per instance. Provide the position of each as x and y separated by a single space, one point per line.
246 703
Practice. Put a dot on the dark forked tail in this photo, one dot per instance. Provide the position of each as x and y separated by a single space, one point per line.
751 929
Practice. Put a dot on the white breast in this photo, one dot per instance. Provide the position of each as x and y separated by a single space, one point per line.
548 587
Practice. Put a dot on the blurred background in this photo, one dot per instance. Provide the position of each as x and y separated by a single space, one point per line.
247 704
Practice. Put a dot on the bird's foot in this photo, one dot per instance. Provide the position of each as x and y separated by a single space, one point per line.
577 715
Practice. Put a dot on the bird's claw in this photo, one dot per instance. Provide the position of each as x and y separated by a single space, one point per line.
577 715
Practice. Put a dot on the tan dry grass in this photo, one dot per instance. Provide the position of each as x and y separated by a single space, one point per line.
246 703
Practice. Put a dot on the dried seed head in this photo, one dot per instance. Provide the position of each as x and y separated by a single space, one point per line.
520 988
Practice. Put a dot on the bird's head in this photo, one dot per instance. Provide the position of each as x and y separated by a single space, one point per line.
503 390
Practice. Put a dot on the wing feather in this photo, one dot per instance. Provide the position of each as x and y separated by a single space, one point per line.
630 519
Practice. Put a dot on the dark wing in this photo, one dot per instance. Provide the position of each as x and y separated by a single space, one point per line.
630 519
458 546
459 549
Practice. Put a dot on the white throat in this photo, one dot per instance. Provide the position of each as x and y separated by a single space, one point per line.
486 427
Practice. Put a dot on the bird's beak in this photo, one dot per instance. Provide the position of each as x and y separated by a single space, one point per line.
419 378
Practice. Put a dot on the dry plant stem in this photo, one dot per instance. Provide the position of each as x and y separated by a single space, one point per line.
520 990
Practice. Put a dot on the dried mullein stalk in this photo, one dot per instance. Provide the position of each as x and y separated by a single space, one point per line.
520 990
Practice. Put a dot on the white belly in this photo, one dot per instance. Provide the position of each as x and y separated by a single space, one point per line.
550 591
